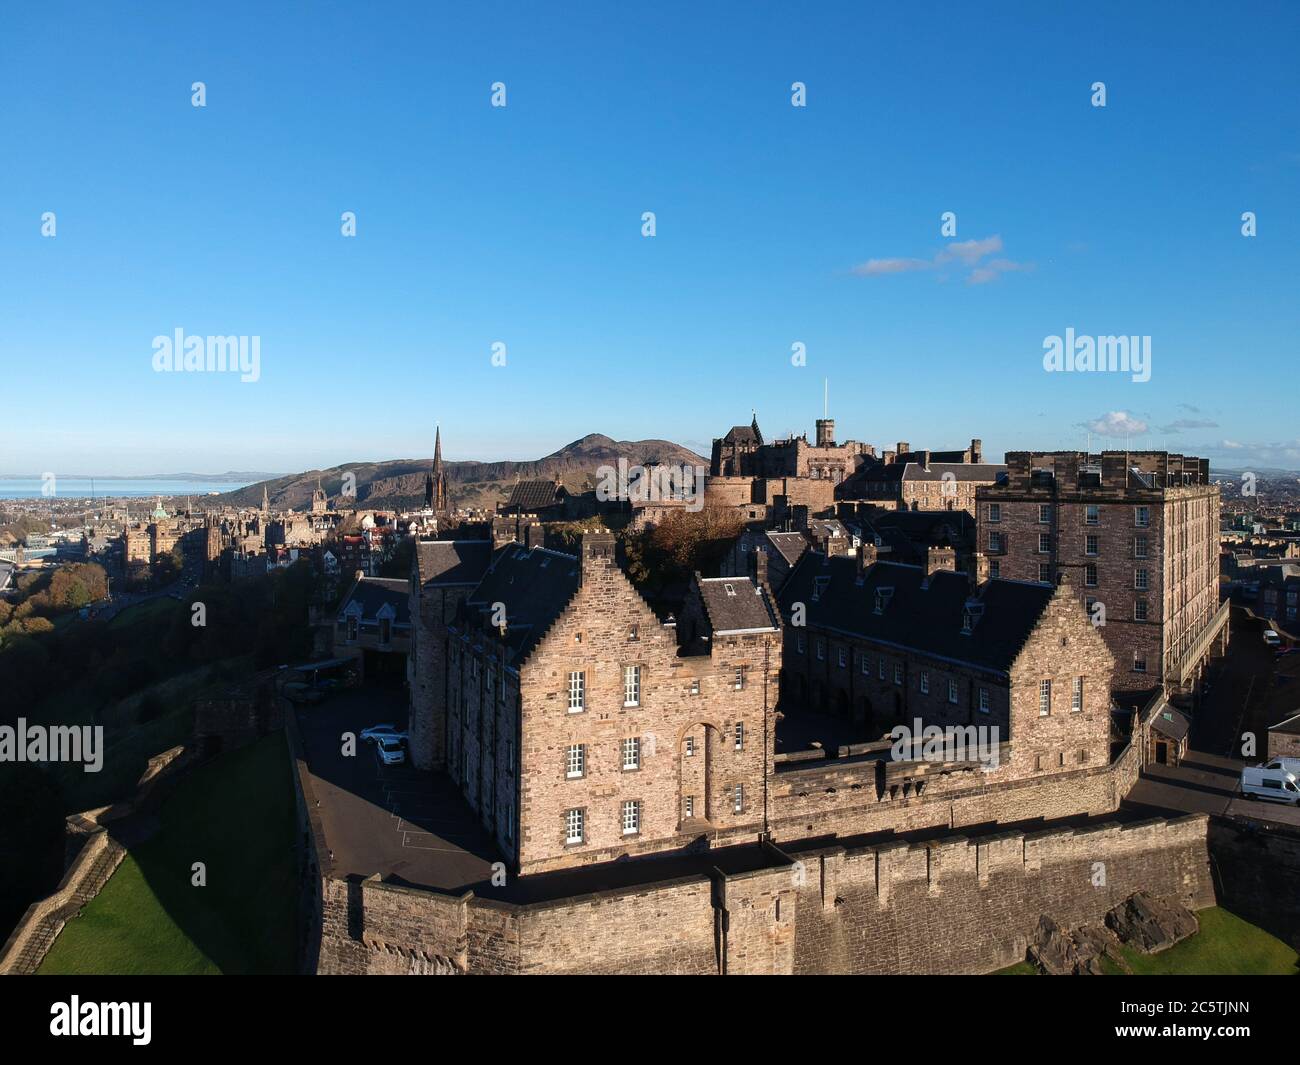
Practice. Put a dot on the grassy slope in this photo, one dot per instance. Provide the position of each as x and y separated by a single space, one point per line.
1225 946
235 815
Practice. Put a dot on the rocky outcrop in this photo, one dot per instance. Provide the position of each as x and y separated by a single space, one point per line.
1151 924
1058 952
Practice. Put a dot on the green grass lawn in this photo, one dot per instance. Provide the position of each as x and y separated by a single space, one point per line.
1225 946
236 815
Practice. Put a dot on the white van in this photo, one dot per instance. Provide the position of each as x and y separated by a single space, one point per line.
1270 781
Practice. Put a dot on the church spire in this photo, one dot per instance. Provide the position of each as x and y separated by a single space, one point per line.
435 481
758 433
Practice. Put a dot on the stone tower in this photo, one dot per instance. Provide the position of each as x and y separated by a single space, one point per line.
435 482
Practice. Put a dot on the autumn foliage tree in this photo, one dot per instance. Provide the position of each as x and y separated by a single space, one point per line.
662 559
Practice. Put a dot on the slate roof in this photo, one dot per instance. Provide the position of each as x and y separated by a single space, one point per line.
919 615
907 533
534 495
790 545
962 471
827 527
535 584
448 562
1169 722
741 434
371 593
736 604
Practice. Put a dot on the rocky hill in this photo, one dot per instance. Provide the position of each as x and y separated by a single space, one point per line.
400 482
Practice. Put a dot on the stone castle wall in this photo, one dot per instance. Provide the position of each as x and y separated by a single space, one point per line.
954 905
969 906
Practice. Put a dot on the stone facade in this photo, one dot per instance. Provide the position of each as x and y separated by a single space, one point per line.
1044 687
1138 535
602 737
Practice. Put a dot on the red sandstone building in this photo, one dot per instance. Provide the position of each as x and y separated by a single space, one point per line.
1138 535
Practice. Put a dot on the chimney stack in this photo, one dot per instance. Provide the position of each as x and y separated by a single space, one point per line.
866 557
597 549
903 448
937 558
758 566
980 568
977 451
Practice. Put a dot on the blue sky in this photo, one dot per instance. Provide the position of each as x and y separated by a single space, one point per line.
522 225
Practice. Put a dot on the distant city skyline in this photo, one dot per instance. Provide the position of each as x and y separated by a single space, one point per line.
775 226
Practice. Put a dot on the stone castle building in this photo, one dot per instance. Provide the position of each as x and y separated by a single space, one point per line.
884 644
1137 534
923 480
763 480
578 725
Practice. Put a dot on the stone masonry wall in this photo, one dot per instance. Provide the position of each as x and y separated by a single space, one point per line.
968 906
954 905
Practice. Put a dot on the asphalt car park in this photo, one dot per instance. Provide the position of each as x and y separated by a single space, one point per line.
404 823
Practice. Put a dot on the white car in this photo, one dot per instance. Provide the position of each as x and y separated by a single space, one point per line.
389 751
377 732
1272 638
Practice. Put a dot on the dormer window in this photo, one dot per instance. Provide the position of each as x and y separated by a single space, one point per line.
970 616
883 595
820 584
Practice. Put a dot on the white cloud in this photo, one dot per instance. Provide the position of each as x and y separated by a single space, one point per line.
962 254
1116 423
874 267
969 251
1179 424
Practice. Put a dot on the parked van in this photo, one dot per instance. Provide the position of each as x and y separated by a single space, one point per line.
1270 781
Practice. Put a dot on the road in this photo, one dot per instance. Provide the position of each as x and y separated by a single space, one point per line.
1230 711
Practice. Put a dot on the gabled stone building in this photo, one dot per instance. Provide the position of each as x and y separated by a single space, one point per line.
580 727
884 644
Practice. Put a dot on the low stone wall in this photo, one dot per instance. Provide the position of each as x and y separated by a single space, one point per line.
94 857
40 926
841 798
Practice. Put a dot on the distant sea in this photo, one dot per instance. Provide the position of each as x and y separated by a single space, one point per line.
108 487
